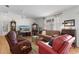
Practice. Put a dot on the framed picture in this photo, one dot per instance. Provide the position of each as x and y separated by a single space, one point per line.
49 20
69 22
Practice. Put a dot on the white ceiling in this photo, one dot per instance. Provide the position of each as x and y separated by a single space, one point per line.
35 10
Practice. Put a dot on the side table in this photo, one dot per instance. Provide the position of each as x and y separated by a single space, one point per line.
35 39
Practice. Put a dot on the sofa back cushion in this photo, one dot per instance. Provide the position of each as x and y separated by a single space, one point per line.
12 37
53 32
59 41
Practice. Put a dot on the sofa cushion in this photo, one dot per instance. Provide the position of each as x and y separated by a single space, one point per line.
50 42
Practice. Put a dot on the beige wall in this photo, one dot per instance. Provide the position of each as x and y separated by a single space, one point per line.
5 19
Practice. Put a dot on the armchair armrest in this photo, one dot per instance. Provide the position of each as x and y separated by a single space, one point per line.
24 44
45 49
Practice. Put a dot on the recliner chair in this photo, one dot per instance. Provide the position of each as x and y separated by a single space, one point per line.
60 45
18 46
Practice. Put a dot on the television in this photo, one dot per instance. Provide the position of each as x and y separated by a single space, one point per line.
24 28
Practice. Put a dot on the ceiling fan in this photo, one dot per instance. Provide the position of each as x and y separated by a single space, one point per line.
7 6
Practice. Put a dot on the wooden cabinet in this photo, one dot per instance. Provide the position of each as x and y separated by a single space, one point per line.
69 31
13 25
34 29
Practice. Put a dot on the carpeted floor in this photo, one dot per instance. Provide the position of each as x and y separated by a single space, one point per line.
4 47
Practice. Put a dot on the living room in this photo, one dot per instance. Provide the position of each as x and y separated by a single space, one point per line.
36 23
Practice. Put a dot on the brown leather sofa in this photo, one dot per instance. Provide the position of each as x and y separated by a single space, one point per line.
49 34
52 32
18 46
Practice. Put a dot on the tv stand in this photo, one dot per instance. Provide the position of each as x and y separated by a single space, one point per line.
25 33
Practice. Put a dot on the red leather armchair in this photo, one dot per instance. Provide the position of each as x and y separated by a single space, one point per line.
60 45
18 46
